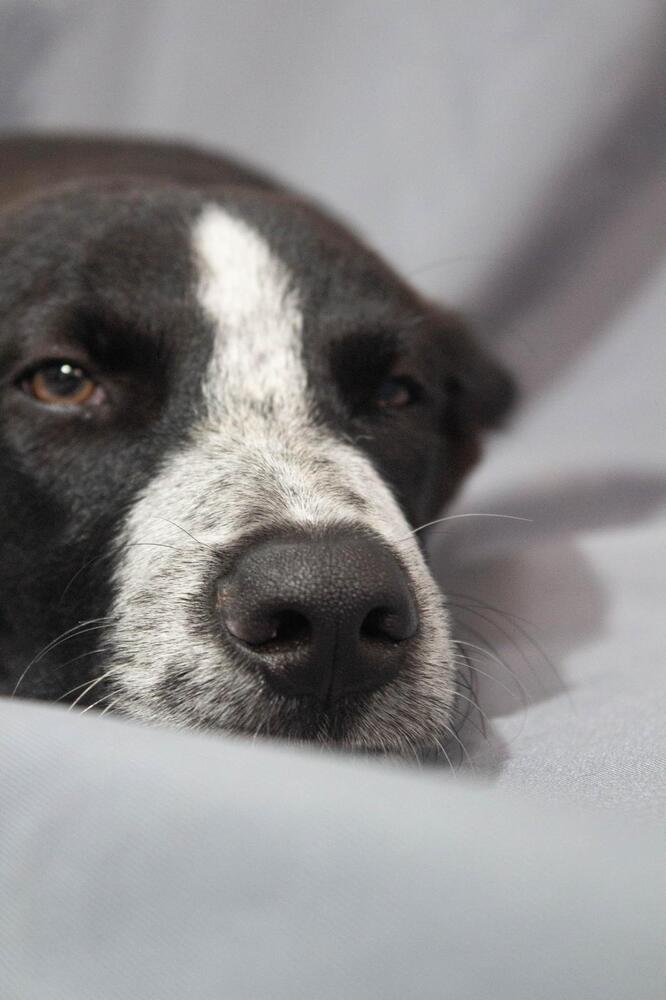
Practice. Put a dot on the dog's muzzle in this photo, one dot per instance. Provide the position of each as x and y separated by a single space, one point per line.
321 617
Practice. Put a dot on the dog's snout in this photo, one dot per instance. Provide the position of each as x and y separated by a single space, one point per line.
319 616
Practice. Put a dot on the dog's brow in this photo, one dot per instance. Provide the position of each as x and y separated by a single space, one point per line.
365 351
380 339
110 338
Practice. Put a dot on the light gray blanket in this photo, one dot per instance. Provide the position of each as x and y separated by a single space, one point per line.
162 866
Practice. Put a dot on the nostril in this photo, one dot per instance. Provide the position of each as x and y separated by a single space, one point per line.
281 628
291 627
252 632
384 625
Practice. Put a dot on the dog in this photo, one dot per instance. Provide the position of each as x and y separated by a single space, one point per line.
222 420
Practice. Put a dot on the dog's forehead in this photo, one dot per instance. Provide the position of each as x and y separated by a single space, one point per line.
81 242
200 266
240 279
253 306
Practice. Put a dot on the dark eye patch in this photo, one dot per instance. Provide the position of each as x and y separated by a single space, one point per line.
371 374
360 364
92 360
115 344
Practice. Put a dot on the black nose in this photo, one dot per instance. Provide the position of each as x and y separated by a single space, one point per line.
320 616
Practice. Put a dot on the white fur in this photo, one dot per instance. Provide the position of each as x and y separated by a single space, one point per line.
246 292
256 456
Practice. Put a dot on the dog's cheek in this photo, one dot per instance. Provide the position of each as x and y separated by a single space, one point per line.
483 398
463 454
427 468
478 396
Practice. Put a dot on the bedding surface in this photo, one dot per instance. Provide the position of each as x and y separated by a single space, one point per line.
163 865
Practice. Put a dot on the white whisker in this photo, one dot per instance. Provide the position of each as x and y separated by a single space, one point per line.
455 517
82 628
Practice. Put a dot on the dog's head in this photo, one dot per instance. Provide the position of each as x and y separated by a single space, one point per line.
221 418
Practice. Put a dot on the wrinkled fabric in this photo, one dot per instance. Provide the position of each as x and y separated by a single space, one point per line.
157 864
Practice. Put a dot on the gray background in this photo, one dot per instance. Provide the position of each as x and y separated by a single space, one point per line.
506 157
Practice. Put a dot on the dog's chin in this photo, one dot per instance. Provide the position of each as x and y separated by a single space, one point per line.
392 722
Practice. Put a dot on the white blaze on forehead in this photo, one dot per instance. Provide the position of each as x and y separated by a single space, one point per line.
247 293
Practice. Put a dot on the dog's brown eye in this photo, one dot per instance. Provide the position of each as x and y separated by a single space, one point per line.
396 392
60 383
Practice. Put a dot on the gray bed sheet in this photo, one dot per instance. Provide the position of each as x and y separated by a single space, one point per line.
159 865
508 158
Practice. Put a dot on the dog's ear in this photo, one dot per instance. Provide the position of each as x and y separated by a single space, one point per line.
480 394
475 391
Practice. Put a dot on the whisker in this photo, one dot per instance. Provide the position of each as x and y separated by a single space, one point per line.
487 606
456 707
88 689
483 638
462 746
111 705
82 628
515 621
189 534
455 517
470 663
468 681
463 722
109 555
497 659
525 698
448 760
94 704
82 569
521 653
78 687
475 705
404 738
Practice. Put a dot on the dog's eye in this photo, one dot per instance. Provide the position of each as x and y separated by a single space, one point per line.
60 383
397 392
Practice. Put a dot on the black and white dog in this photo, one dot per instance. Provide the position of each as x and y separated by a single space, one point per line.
221 418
